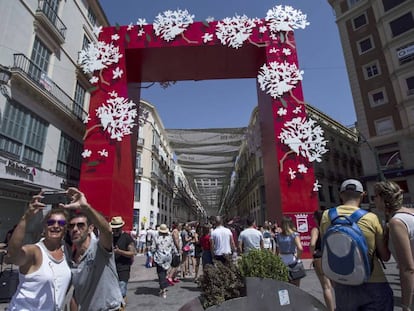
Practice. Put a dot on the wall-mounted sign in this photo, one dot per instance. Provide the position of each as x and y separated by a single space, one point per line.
20 170
405 52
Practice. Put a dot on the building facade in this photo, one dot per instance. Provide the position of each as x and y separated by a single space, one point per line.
44 102
378 43
342 161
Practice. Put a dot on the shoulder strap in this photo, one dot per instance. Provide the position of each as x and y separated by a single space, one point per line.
355 216
332 213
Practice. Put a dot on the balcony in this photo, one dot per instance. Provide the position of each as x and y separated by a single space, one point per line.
47 20
32 76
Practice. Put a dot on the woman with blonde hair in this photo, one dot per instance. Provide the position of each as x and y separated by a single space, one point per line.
316 251
288 245
400 226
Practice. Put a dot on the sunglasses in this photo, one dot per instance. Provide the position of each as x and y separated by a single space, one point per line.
52 222
80 225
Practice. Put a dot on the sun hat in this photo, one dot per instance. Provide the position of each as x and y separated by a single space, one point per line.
117 222
351 185
163 228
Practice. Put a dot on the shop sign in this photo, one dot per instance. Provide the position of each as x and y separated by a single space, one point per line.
20 170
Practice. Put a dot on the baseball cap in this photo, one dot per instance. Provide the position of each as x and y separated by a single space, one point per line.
351 185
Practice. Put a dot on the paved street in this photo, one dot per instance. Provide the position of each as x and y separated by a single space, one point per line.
143 288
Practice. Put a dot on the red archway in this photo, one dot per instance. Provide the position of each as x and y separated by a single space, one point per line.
176 48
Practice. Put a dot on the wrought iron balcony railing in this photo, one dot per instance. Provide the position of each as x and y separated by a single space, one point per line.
31 71
50 13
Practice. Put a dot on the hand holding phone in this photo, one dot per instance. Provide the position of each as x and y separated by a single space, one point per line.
52 197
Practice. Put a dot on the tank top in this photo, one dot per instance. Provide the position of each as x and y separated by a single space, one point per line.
408 220
45 288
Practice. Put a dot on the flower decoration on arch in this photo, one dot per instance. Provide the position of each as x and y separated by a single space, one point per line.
234 31
304 138
170 24
278 78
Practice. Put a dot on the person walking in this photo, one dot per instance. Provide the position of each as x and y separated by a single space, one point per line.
142 240
206 256
197 250
163 249
400 227
288 245
316 251
172 273
376 293
43 270
92 259
250 238
222 242
186 240
124 250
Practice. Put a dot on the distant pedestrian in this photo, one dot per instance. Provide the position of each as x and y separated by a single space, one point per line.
400 221
142 239
250 238
207 257
222 242
172 273
197 250
124 249
288 245
316 251
163 249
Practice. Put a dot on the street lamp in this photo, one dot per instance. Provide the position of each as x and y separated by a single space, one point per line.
380 174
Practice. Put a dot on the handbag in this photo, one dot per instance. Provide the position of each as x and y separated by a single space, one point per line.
296 270
186 248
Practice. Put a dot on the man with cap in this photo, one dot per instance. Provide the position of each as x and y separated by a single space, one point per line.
124 250
376 293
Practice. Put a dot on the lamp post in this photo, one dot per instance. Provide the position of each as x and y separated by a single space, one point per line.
380 174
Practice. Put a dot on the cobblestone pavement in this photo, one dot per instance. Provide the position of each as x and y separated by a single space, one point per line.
143 288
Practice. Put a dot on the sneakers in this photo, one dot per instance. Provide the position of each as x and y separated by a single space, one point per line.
170 281
163 293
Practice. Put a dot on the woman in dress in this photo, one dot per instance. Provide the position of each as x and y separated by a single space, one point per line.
43 270
316 251
163 248
288 245
400 221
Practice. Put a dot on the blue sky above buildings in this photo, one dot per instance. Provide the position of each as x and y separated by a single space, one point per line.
229 103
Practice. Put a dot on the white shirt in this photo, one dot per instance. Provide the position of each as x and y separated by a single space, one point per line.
221 237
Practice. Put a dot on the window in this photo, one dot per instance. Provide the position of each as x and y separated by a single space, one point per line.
384 126
389 4
85 42
371 70
137 191
410 85
365 45
352 2
402 24
40 59
377 97
360 21
91 16
79 100
22 134
69 157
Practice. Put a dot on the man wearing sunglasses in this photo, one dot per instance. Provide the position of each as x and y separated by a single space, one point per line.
43 270
94 275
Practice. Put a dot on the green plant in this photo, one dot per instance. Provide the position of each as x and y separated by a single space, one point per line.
220 282
263 264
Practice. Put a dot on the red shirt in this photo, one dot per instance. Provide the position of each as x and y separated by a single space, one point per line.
205 242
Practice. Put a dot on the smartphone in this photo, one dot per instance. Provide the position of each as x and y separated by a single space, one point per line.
51 197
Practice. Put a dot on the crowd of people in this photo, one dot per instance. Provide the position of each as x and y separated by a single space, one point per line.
79 246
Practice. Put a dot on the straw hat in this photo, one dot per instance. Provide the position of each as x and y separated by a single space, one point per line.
163 228
117 222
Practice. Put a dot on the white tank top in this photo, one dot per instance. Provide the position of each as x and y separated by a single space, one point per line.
44 289
408 220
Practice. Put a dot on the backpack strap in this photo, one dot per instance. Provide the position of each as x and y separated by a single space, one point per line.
355 216
332 213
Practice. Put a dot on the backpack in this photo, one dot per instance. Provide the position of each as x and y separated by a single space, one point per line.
345 257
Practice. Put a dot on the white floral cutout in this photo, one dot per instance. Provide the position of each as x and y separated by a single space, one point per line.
117 73
278 78
99 56
305 138
292 173
141 22
94 80
302 168
285 18
130 26
117 116
210 19
103 153
235 30
316 186
97 30
298 109
86 119
282 111
86 153
115 37
286 51
172 23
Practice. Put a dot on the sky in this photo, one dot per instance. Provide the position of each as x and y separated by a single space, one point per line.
229 103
